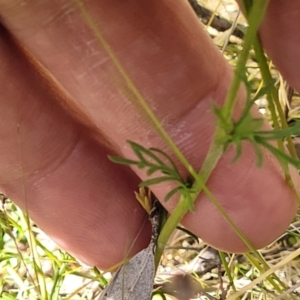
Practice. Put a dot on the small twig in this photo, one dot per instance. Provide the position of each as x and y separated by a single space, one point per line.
218 22
224 292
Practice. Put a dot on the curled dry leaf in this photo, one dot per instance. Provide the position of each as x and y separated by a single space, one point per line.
134 280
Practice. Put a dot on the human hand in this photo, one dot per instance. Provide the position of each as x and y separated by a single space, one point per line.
72 112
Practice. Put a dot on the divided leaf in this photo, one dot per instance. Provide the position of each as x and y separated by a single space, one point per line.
155 160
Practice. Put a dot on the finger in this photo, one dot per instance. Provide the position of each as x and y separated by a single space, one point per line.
170 70
59 175
280 38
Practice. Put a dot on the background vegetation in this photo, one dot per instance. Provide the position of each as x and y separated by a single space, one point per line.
33 267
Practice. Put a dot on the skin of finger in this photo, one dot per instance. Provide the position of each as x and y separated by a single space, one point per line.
281 40
168 66
58 174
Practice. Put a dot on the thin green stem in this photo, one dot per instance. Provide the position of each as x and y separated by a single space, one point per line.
216 150
41 286
281 264
255 17
227 270
181 208
273 280
273 102
136 96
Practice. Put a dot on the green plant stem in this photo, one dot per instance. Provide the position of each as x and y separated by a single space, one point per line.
266 267
213 156
255 18
282 263
216 150
273 101
227 270
209 164
41 286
